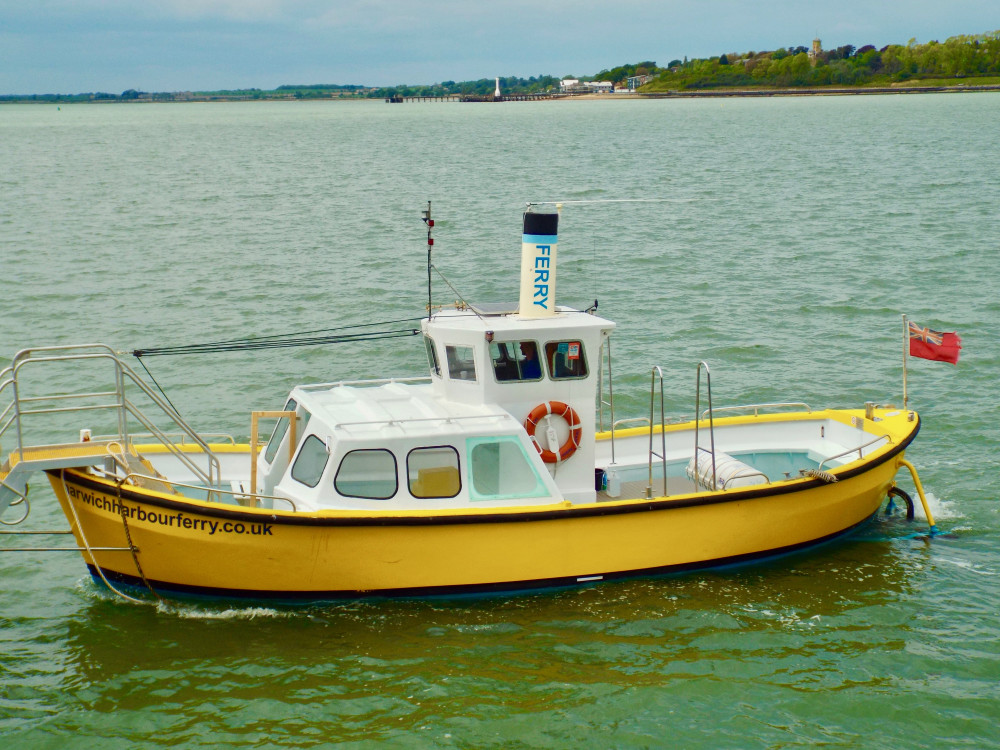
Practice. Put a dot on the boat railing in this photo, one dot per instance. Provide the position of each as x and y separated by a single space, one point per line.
24 411
757 408
180 438
372 382
643 421
210 491
711 421
610 400
859 450
414 420
657 379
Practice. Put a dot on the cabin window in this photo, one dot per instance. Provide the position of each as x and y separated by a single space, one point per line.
311 462
433 472
368 474
461 363
432 356
278 434
499 469
515 360
566 359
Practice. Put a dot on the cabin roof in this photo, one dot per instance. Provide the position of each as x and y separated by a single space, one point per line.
476 318
415 410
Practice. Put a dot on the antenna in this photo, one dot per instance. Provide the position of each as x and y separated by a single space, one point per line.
430 243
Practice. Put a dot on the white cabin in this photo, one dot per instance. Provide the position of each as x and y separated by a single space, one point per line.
462 437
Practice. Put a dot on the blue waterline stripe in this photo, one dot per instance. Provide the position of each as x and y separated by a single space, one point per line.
539 239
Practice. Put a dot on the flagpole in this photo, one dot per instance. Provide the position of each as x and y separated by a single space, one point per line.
906 336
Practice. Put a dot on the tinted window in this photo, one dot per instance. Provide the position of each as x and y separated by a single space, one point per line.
311 461
461 363
369 474
433 472
515 360
565 359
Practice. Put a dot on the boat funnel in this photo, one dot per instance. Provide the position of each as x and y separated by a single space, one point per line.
538 265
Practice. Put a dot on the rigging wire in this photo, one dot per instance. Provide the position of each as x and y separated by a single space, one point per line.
158 386
276 341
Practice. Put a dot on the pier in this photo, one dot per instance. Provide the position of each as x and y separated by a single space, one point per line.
472 98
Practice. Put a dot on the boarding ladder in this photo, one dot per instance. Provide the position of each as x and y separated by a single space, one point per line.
31 413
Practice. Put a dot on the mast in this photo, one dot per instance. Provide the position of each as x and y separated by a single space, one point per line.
430 243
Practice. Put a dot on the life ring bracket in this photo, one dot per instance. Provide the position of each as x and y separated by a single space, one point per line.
572 442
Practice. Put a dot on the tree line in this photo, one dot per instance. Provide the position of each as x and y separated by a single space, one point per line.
959 57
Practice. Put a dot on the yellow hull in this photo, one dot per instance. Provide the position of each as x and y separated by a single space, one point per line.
186 545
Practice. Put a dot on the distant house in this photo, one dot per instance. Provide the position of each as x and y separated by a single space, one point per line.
635 82
576 86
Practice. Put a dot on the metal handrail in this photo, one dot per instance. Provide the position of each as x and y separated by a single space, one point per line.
210 490
642 420
123 406
370 382
757 407
139 436
656 375
495 415
859 450
610 403
711 420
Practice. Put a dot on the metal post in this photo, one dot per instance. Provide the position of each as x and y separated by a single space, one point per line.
697 421
430 243
906 352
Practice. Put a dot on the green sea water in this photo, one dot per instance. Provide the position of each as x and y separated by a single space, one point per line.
786 239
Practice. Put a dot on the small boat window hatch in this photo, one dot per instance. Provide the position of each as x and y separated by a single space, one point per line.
433 472
432 357
566 360
311 462
278 434
515 361
499 469
461 363
368 473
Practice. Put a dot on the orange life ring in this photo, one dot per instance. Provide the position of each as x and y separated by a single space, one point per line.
575 429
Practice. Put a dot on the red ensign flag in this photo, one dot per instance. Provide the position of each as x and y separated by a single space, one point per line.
928 344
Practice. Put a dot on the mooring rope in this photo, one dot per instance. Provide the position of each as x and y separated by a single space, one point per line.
86 544
128 538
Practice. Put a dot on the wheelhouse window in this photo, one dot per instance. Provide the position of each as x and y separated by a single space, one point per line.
499 469
461 362
311 462
566 359
515 360
432 357
368 473
433 472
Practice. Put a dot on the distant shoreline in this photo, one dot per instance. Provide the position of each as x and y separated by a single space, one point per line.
749 93
716 93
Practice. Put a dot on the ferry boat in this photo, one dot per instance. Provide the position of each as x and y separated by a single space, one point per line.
503 469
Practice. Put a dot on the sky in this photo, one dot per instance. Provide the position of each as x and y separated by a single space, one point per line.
79 46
